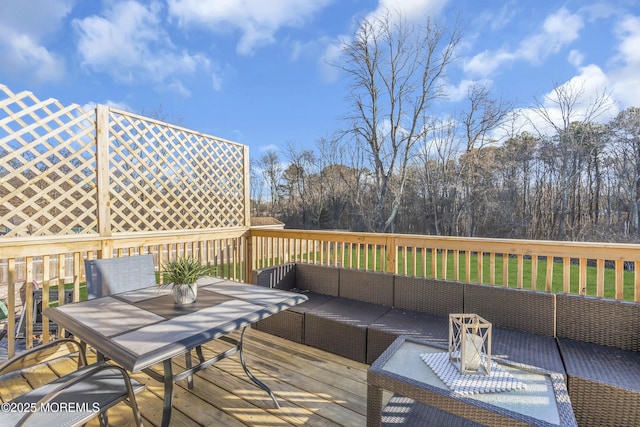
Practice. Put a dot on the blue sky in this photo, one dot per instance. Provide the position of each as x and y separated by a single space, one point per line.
257 71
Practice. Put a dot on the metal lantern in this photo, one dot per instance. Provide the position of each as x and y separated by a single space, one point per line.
470 343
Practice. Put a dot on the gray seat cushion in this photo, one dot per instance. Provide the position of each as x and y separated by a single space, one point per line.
340 326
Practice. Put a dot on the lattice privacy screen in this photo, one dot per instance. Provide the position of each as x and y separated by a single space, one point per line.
47 166
169 178
161 177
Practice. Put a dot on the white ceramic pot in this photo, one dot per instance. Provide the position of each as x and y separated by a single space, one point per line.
185 294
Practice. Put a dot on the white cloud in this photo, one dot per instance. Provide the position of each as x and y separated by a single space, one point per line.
629 34
486 62
257 20
115 104
575 58
176 86
411 9
558 30
129 43
626 78
584 88
330 58
24 28
460 92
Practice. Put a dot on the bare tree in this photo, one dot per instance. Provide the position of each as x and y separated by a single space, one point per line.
272 170
625 132
396 69
564 112
483 116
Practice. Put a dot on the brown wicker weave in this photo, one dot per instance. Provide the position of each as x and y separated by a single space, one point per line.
407 412
318 279
378 380
432 296
340 327
604 383
598 340
279 276
520 309
404 322
599 321
367 286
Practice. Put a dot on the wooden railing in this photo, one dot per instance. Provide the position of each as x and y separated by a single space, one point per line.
52 262
600 269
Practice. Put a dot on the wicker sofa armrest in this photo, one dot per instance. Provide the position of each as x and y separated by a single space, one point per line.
278 276
599 321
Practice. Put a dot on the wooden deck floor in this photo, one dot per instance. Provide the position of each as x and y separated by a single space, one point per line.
314 388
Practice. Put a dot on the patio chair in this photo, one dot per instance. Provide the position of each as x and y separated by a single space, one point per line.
86 392
114 275
21 325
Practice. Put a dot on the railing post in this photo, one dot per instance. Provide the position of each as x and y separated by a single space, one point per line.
248 257
392 255
11 300
102 178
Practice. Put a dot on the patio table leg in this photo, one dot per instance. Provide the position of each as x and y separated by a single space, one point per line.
187 361
250 375
168 393
199 353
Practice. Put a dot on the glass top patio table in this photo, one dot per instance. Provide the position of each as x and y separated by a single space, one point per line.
138 329
400 369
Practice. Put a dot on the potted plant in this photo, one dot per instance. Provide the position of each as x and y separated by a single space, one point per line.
182 274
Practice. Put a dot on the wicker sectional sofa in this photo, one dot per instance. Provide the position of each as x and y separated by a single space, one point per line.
357 314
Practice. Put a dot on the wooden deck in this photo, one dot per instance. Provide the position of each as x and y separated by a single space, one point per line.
314 388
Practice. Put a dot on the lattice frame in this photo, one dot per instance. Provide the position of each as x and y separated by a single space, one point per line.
164 177
47 166
160 177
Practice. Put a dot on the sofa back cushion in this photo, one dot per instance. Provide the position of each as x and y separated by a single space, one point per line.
600 321
433 296
367 286
521 309
319 279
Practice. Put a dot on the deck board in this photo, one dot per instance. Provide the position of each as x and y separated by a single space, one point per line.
313 387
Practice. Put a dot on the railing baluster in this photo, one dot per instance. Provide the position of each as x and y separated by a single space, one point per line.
492 268
549 277
534 272
505 270
520 278
566 275
600 264
582 277
456 265
11 297
445 254
28 292
467 265
619 279
46 276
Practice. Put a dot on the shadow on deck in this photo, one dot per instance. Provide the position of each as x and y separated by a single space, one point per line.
314 388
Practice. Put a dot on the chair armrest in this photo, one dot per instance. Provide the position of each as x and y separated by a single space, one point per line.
90 372
30 357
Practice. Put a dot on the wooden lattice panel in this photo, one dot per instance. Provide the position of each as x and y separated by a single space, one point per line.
164 177
47 167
